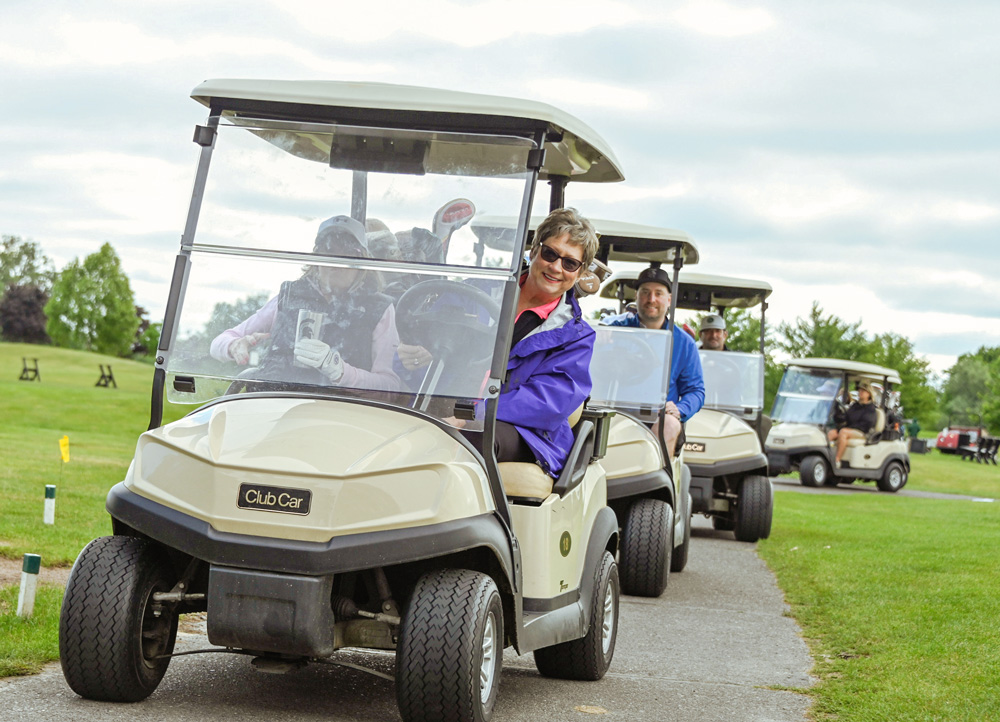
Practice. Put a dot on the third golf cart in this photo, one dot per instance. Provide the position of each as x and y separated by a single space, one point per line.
813 393
723 442
306 510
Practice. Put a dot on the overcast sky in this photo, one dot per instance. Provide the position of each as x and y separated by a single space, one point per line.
846 152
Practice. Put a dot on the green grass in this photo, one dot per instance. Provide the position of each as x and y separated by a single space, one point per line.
27 644
102 424
947 473
899 600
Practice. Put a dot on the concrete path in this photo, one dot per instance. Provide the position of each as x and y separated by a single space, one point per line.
706 651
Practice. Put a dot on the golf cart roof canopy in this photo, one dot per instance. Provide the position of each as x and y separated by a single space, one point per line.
856 368
573 150
628 241
699 291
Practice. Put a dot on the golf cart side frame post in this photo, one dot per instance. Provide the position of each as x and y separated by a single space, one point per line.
204 135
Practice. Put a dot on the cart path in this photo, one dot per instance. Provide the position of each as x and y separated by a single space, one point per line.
706 651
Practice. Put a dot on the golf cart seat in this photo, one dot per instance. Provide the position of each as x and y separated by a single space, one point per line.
529 484
875 434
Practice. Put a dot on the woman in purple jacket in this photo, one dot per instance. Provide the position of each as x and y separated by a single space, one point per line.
548 371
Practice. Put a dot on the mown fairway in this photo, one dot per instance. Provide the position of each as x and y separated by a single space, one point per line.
898 599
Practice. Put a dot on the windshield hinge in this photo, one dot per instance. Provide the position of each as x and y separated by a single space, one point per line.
204 135
536 158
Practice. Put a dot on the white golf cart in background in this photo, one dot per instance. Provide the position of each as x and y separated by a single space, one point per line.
305 513
813 392
724 441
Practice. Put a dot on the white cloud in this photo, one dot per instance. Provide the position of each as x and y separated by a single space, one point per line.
566 91
466 25
112 43
724 20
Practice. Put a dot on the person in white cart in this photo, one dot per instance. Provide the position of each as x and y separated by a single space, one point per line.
333 325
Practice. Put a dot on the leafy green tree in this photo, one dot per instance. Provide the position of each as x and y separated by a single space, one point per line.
92 307
23 263
822 336
973 386
22 314
919 399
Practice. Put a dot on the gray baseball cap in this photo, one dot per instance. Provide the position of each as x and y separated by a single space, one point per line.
338 227
712 321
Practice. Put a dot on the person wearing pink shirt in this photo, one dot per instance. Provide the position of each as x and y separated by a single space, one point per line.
331 326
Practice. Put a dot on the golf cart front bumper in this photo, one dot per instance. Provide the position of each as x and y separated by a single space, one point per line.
703 478
349 552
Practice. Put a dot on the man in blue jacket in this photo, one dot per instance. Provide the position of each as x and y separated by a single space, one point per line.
686 392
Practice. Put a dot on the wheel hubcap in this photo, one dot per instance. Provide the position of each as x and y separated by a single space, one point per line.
895 478
487 669
608 623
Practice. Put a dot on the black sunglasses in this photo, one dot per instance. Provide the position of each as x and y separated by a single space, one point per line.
569 264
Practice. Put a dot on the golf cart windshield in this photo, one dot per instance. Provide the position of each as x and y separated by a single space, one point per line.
629 370
734 381
806 395
285 293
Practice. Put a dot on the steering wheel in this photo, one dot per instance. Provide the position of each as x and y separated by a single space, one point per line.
629 359
440 316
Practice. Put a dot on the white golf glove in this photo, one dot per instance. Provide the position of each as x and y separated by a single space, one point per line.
314 353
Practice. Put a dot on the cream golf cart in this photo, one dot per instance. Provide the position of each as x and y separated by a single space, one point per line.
631 374
812 394
305 508
723 442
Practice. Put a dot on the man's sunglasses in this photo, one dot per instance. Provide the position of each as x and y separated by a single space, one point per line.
569 264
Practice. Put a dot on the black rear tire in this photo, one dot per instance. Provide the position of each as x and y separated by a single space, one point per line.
893 479
450 648
589 657
109 639
646 548
814 471
754 509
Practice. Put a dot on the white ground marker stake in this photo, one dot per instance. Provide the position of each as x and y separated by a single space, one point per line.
29 581
49 515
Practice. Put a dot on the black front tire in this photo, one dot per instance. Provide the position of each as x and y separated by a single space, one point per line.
589 657
893 479
110 641
646 548
754 509
814 471
450 648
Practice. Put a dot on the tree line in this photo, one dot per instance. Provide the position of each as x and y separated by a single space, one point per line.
89 305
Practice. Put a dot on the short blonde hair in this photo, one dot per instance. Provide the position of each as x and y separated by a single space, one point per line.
568 220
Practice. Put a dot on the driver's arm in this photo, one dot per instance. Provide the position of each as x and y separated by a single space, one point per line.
690 383
260 322
385 339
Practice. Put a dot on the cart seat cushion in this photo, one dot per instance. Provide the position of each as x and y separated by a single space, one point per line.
525 480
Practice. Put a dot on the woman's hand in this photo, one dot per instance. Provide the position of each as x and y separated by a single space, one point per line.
413 357
318 355
239 350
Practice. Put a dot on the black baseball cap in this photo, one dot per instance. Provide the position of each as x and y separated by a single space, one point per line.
653 275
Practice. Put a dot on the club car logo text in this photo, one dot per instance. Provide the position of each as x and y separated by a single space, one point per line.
693 446
274 498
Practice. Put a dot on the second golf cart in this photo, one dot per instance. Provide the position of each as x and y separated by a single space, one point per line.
813 393
306 509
